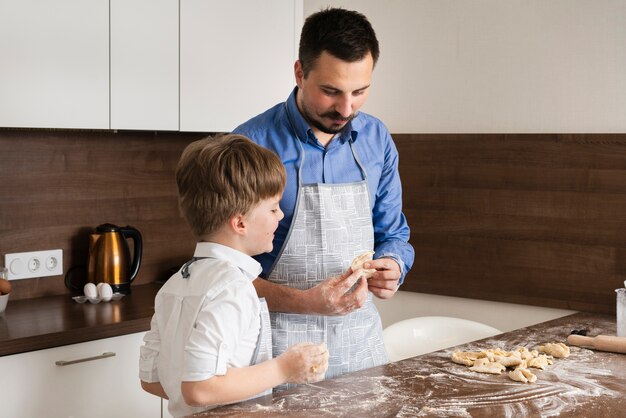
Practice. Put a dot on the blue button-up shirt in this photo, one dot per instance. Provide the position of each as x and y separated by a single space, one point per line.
279 129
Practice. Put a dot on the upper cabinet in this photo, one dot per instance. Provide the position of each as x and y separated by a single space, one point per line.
144 64
189 65
236 59
55 64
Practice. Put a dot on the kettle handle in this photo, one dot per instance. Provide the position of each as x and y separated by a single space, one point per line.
135 235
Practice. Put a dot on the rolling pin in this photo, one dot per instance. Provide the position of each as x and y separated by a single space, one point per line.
600 342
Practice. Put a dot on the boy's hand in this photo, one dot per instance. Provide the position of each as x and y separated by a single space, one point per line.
304 362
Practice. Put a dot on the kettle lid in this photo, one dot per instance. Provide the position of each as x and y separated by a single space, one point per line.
107 228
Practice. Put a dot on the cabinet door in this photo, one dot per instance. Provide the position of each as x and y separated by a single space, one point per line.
55 64
236 59
144 64
34 385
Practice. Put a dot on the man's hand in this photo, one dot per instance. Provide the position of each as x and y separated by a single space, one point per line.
334 297
384 283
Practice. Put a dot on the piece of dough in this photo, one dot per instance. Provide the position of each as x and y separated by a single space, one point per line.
522 375
540 362
483 365
558 350
466 358
491 353
508 360
358 261
525 354
496 360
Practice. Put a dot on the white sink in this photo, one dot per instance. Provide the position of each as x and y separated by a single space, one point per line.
425 334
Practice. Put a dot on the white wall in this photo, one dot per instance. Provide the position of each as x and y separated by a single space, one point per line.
483 66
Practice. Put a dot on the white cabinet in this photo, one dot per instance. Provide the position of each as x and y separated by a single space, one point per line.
33 385
55 64
144 64
236 59
189 65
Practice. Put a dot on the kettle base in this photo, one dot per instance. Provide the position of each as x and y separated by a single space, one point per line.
121 288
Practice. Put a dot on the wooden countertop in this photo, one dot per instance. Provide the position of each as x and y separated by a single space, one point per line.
35 324
588 383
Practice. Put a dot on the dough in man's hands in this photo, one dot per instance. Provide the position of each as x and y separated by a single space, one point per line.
358 261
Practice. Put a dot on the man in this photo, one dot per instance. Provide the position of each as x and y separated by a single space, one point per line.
343 197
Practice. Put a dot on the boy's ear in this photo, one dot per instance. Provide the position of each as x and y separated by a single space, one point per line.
238 224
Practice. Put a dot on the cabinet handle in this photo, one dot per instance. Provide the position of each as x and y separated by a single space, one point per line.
80 360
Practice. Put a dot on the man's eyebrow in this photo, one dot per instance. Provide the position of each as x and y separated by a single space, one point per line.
333 88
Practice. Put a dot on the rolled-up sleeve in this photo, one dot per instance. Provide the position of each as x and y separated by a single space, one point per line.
149 354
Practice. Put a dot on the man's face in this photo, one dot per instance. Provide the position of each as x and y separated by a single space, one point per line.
333 92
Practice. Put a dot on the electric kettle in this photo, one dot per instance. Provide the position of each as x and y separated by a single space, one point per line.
109 256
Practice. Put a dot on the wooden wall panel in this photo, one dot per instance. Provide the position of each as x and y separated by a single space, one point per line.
537 219
57 185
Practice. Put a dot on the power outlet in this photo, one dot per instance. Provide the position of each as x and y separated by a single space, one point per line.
34 264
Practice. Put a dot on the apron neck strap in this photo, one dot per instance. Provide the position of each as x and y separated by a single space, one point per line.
302 153
185 270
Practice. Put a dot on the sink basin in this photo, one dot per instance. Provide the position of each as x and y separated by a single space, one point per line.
425 334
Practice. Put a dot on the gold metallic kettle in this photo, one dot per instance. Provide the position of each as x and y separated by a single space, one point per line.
109 256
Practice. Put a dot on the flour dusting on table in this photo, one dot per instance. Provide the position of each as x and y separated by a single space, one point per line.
434 386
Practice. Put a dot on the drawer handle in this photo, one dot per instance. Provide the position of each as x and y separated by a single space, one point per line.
80 360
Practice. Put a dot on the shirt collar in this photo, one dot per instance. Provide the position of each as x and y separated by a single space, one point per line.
304 132
247 264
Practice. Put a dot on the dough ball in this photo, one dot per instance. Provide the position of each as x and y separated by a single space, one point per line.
483 365
465 358
358 261
540 362
557 350
508 360
522 375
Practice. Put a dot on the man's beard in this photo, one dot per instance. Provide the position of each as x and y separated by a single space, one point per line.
326 129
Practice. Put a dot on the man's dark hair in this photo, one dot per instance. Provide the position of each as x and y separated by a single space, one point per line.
345 34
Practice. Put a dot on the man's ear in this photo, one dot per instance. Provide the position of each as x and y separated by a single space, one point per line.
298 73
238 224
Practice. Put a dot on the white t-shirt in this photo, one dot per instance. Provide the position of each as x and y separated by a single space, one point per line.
204 324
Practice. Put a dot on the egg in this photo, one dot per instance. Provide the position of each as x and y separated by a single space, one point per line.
5 287
105 291
90 291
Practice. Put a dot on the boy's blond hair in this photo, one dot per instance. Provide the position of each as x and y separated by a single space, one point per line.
224 176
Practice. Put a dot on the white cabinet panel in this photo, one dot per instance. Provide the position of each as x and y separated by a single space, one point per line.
144 64
55 60
34 386
236 59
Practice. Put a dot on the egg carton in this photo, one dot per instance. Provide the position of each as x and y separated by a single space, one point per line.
83 299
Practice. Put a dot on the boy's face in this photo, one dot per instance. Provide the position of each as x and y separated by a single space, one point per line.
262 221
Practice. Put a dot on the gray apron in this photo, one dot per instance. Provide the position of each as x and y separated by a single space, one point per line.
263 350
332 224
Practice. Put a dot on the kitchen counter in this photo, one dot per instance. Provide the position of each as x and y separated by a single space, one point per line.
52 321
588 383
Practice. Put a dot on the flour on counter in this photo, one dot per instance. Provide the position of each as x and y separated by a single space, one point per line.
447 389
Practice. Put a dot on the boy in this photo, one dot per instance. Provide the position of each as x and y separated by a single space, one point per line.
210 342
